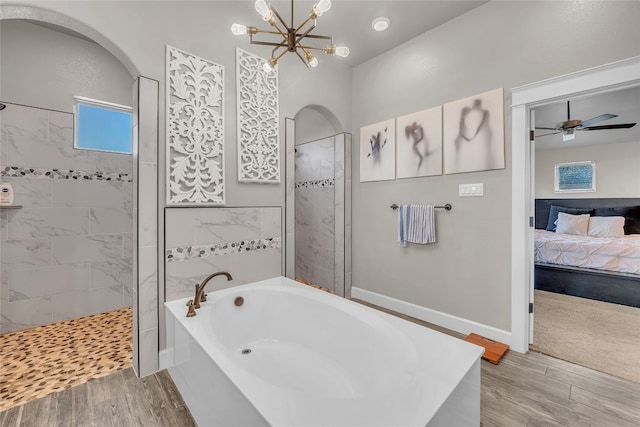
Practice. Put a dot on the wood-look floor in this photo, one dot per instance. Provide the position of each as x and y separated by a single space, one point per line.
119 399
522 390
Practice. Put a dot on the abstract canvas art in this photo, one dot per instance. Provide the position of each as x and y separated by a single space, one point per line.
473 133
419 144
378 152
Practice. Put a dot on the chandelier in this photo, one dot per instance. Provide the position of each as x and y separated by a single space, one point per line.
297 40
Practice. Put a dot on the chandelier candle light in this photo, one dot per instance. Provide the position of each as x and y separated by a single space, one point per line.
292 39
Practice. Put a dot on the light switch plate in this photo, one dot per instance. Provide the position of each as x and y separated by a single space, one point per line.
471 190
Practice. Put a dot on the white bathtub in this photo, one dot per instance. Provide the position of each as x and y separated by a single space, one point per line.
316 360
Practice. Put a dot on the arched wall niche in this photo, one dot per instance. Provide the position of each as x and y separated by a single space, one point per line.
61 20
145 101
316 122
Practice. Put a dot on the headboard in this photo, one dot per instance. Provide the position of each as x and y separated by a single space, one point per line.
544 205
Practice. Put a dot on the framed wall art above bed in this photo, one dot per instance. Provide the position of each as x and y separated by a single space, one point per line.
575 177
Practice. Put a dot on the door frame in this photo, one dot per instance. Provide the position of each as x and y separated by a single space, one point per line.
605 78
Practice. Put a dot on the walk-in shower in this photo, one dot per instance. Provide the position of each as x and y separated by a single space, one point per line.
323 213
66 247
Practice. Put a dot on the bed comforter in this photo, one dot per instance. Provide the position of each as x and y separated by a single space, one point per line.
611 254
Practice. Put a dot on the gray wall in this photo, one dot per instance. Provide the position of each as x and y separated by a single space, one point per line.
45 68
500 44
617 170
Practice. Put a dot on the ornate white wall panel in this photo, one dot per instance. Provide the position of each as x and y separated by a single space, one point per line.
195 131
258 132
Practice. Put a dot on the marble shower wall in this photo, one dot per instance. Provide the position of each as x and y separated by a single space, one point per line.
68 252
315 191
321 193
246 242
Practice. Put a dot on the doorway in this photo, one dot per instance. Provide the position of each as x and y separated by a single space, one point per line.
618 75
583 309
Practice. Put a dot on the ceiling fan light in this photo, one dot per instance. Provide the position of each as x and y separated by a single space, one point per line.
568 135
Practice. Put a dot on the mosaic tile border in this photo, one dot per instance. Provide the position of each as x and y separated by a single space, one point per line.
322 183
205 251
21 172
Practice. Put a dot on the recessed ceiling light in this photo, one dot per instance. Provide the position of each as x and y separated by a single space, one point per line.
381 23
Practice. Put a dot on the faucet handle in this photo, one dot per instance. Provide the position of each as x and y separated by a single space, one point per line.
196 300
192 310
203 297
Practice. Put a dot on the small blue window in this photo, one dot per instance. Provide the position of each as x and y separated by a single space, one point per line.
102 126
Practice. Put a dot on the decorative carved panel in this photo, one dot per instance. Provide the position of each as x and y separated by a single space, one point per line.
258 132
195 131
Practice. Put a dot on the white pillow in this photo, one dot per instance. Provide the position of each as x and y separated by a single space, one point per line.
606 226
572 224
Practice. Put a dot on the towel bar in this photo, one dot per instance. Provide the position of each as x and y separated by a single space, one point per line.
446 207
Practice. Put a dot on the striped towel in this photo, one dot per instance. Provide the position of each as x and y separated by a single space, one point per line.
416 224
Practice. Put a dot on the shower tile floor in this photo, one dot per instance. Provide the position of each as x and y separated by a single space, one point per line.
313 285
46 359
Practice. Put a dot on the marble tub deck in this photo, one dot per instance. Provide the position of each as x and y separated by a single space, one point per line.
46 359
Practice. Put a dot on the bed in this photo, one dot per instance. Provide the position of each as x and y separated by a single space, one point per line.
601 268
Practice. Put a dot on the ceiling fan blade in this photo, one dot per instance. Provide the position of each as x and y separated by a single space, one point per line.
600 118
605 127
546 128
547 134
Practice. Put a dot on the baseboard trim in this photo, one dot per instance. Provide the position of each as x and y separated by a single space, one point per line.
444 320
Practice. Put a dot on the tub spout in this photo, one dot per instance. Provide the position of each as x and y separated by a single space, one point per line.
200 295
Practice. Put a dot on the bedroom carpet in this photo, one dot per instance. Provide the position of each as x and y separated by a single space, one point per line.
595 334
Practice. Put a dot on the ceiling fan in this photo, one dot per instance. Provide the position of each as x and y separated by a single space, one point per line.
569 127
